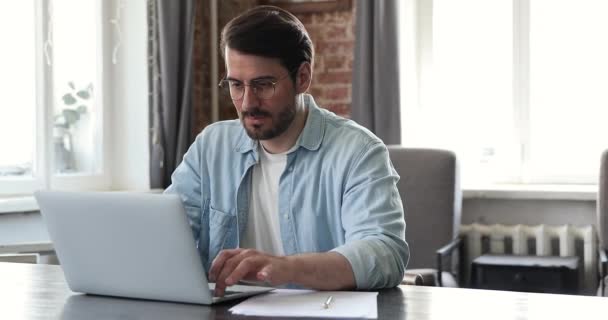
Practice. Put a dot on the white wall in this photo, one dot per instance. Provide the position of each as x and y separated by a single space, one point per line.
528 211
128 83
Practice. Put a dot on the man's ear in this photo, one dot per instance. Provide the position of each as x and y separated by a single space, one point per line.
303 77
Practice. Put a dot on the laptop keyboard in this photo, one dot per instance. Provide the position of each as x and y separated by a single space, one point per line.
226 293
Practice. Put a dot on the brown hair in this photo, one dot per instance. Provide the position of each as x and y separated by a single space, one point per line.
270 32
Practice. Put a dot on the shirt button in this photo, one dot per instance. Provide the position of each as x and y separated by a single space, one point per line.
286 216
290 168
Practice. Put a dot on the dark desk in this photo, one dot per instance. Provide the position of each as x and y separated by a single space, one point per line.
40 292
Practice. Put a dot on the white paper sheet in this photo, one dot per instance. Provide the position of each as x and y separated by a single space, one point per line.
308 303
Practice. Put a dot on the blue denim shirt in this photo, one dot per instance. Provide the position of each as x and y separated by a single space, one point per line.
338 193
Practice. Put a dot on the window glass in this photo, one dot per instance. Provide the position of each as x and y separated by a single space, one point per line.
18 93
568 96
76 136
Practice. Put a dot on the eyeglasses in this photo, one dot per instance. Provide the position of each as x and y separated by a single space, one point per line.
262 88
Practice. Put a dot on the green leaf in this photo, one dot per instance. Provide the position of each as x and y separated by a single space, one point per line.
84 94
71 116
81 109
68 99
71 84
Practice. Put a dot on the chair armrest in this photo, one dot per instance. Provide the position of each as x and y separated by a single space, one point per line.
603 270
414 279
446 251
448 248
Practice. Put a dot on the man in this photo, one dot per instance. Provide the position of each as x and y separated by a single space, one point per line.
291 194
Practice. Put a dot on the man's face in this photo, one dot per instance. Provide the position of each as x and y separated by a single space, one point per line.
263 119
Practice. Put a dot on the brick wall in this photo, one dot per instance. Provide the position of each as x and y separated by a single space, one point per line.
332 34
201 88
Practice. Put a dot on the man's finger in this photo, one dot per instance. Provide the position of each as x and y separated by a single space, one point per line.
228 266
248 266
231 263
218 263
265 274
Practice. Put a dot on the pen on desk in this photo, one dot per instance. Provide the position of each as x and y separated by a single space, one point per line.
327 302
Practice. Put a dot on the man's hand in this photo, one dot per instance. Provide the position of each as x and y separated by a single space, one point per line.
234 265
320 271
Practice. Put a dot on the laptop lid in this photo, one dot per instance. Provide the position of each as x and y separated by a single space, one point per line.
127 244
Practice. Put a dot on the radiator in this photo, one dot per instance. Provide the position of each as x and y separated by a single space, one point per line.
564 240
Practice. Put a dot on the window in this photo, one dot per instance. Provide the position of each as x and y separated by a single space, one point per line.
18 80
515 87
51 117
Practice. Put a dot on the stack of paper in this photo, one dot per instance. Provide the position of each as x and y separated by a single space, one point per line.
307 303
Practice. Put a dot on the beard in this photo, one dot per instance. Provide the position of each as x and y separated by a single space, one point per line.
280 122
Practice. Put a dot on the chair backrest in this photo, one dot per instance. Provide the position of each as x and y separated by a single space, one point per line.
431 195
602 202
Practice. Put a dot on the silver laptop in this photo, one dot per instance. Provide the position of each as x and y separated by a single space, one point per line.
129 245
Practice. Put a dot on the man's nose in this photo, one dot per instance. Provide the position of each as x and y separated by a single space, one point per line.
249 98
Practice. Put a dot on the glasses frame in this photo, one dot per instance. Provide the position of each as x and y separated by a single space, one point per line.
225 84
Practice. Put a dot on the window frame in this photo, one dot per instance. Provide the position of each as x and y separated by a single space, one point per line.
419 17
43 176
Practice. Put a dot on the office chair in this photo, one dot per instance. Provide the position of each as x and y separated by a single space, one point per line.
602 221
431 195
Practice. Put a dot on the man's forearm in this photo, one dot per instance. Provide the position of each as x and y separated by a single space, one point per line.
322 271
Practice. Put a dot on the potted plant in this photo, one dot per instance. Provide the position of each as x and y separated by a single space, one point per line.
75 103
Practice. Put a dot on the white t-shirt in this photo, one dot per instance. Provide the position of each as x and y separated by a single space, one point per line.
263 230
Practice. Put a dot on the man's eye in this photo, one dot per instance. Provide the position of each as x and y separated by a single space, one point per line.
263 84
235 84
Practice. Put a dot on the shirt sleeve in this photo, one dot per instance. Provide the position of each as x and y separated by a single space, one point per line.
186 182
373 220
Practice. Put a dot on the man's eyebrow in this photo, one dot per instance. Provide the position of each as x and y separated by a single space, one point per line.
254 79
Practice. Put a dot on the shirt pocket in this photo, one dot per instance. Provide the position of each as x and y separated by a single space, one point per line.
220 226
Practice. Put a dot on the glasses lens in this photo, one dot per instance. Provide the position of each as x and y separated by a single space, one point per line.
233 89
263 89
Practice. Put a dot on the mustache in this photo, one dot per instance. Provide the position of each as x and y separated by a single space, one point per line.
255 112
